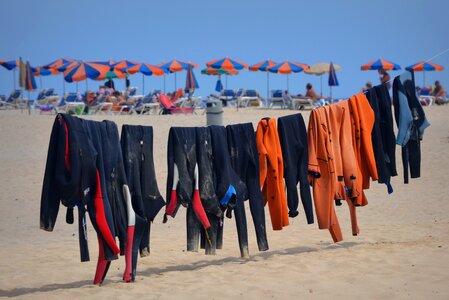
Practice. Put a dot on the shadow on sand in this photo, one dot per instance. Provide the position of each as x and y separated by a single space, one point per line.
186 267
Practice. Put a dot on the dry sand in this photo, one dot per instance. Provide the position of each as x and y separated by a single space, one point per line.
402 251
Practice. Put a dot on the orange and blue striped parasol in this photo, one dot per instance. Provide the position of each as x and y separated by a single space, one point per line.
191 82
380 64
227 64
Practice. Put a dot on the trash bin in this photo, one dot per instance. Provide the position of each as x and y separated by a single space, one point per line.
214 112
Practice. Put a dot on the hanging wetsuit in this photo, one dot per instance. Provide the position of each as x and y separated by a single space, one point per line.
137 150
293 138
272 172
244 160
362 116
411 122
382 130
72 177
183 183
229 188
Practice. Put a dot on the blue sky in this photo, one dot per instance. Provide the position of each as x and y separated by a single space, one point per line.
349 33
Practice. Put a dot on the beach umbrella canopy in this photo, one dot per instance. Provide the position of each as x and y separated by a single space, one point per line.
424 66
30 83
40 71
124 65
57 63
191 82
9 64
211 71
380 64
83 70
176 65
288 67
333 81
22 73
146 69
263 65
109 63
219 86
113 73
321 68
227 64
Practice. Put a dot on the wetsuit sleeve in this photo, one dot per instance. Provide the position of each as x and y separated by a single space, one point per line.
304 187
313 167
262 153
50 199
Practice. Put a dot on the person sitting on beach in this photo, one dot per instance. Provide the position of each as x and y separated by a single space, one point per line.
439 93
310 93
385 78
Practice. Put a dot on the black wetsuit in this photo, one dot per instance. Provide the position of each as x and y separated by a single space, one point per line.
293 139
245 161
137 150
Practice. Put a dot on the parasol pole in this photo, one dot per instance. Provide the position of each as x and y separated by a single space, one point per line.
77 87
268 85
321 86
63 85
143 84
226 81
288 87
175 81
87 85
40 81
164 82
424 78
14 78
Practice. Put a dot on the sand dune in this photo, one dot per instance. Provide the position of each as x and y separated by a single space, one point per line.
402 251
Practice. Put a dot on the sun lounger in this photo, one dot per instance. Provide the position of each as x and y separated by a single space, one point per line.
167 107
276 99
70 103
11 101
249 97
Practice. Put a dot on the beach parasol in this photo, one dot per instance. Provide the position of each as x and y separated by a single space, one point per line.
423 67
176 65
60 65
40 71
319 69
380 64
219 72
287 68
333 81
264 66
30 83
227 64
145 69
83 70
191 82
11 65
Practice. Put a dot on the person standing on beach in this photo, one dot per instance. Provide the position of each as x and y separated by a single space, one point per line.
385 77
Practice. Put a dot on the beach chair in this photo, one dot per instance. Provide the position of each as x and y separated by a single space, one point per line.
298 103
249 97
70 103
100 106
147 104
10 101
167 107
276 99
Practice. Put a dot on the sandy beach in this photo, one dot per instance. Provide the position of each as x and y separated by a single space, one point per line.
402 251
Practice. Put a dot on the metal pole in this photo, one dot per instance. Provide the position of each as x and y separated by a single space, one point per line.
321 85
143 84
424 78
175 81
63 86
77 87
288 88
87 86
164 82
268 86
14 78
40 81
226 81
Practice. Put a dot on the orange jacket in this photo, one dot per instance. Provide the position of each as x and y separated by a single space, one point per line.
272 172
362 116
322 172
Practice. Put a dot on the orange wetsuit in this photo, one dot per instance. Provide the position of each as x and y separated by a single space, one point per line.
322 172
362 116
272 172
